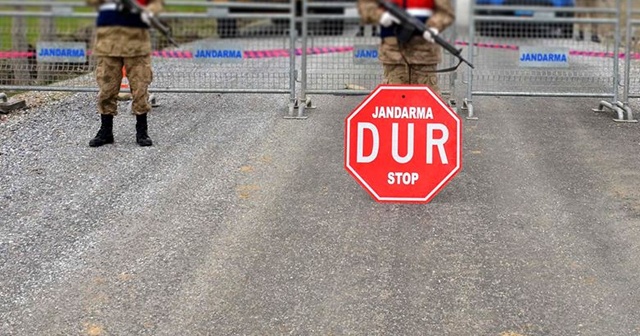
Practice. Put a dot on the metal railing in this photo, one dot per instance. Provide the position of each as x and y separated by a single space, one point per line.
540 51
354 68
231 47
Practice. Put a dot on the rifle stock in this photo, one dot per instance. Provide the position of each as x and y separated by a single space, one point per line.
413 23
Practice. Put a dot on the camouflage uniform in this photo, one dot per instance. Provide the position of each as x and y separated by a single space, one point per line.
119 45
415 61
580 28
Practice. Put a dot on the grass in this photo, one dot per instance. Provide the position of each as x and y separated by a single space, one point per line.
31 25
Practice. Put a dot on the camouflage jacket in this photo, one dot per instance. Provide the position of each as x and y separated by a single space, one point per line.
123 36
417 50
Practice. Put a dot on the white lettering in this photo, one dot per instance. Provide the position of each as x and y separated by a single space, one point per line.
402 178
360 157
431 142
402 112
395 143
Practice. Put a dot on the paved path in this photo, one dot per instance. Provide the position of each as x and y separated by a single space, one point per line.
240 222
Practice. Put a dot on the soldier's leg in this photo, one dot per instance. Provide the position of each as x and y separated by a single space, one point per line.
395 74
593 28
140 76
424 74
108 76
578 28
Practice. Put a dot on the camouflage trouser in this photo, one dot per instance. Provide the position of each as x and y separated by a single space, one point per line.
583 26
419 74
109 77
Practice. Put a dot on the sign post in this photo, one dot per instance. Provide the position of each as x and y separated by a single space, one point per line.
403 144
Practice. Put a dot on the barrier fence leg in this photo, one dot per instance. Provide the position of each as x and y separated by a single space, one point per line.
453 77
153 100
468 101
302 101
6 106
611 106
467 105
627 64
293 73
617 105
626 110
620 106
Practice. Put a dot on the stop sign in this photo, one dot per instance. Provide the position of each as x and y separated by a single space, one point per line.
403 144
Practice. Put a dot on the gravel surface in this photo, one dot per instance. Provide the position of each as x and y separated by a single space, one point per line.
238 221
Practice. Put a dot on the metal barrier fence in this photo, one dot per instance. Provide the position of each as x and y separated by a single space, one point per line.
315 47
225 47
548 51
357 71
280 49
632 59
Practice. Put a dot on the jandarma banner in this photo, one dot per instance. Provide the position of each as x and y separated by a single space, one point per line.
544 57
61 52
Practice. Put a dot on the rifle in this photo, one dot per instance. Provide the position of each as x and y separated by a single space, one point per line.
412 24
133 7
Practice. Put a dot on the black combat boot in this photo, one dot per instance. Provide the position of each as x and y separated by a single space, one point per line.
142 138
105 134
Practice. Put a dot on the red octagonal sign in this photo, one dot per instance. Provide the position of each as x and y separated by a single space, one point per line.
403 144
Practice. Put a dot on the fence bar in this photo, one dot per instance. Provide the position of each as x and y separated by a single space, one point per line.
293 36
537 41
467 104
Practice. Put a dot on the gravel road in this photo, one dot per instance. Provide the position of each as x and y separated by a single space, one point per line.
238 221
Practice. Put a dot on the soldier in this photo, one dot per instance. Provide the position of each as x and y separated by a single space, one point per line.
409 59
122 39
580 27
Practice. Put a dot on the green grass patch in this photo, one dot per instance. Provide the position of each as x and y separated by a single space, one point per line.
63 28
